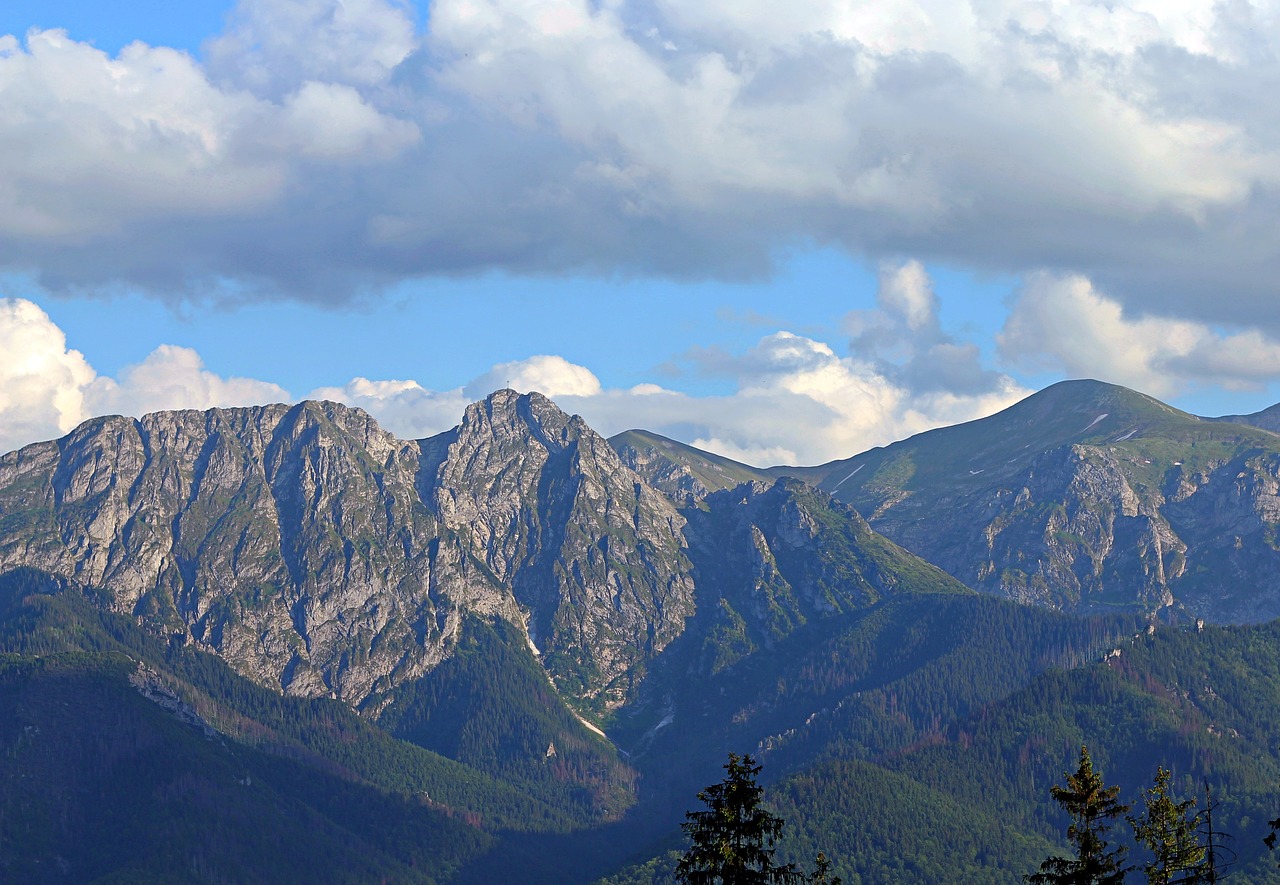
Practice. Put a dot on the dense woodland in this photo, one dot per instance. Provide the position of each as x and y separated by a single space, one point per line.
915 742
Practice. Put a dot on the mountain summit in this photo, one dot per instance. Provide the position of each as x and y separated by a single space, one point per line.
1085 496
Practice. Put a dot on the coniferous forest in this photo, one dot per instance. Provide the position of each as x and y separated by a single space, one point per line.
534 669
933 732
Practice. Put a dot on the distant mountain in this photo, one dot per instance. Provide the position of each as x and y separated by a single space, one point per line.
316 552
1267 419
246 644
680 471
472 596
1085 496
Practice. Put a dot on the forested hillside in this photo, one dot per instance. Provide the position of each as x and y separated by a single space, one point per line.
241 645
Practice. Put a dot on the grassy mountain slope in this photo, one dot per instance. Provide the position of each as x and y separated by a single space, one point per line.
102 784
910 790
1085 496
680 471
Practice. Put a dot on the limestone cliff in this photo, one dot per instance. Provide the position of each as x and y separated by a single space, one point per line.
317 552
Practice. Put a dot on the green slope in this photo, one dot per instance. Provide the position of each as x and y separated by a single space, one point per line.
1084 496
212 792
932 757
101 784
678 470
491 706
976 453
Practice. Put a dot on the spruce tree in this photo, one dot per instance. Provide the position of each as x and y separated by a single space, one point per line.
1168 829
1091 806
731 842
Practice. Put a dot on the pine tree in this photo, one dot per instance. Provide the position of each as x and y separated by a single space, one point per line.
731 842
1091 806
1168 828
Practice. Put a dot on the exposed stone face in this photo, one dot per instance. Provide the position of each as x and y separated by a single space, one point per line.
1145 508
770 558
317 552
288 539
592 554
1072 532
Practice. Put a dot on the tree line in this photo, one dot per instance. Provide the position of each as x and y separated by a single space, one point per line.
731 840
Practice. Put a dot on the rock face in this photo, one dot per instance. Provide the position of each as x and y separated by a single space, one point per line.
589 551
1086 497
288 539
770 558
681 472
317 552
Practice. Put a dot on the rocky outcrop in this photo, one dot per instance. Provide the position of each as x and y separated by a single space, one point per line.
317 552
1086 497
771 558
592 554
289 540
684 474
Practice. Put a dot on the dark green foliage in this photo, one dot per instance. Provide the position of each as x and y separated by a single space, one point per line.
1167 828
98 781
491 706
140 794
881 826
731 842
1092 807
915 739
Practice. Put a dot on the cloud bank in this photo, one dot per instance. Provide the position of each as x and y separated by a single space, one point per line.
321 149
794 399
791 398
46 389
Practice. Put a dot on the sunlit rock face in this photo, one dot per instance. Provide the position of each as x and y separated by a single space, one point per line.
318 553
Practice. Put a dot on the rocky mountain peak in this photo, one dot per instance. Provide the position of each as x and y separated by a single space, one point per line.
593 555
317 552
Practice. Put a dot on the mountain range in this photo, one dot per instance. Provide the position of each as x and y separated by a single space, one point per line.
517 649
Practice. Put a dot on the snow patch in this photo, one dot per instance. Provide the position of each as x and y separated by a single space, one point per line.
1096 420
847 478
591 727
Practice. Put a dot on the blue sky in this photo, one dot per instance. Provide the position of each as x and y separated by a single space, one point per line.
786 236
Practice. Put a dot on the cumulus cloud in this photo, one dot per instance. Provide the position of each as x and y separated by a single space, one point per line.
1064 322
904 338
42 382
175 378
549 375
405 408
796 401
274 46
46 389
321 149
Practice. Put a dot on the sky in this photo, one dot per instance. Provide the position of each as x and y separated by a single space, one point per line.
782 232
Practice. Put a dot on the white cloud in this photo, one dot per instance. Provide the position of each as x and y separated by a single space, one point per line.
331 121
324 148
140 169
47 389
907 292
175 378
796 401
904 339
274 46
405 408
42 382
1064 322
551 376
